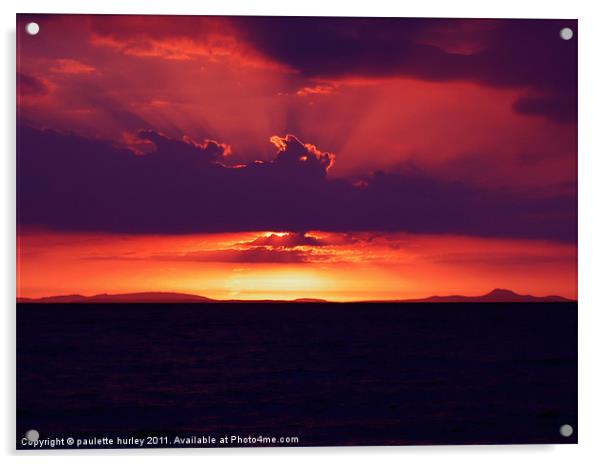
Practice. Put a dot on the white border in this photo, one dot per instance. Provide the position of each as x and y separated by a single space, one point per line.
590 224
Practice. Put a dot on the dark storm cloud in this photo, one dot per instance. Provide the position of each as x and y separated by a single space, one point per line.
525 54
70 183
185 151
291 240
251 255
31 85
561 108
258 254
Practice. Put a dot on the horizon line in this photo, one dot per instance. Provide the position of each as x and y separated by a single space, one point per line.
495 295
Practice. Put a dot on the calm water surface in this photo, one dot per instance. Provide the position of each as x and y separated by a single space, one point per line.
329 374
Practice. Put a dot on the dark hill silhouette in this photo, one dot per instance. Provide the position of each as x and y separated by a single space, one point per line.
498 295
143 297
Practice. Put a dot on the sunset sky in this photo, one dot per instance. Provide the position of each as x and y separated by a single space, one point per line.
337 158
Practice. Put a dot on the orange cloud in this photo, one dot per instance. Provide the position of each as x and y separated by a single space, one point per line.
69 66
213 39
322 89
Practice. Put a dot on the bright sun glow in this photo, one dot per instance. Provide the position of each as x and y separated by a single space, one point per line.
288 284
331 266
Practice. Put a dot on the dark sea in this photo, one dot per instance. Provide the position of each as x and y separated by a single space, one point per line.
296 374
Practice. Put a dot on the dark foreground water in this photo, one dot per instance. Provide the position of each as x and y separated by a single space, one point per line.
327 374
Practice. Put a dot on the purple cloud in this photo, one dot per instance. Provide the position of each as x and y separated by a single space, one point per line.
31 85
525 54
67 182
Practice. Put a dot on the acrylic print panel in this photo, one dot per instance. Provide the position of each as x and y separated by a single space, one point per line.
270 231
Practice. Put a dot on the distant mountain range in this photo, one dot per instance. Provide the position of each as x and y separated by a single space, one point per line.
498 295
143 297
